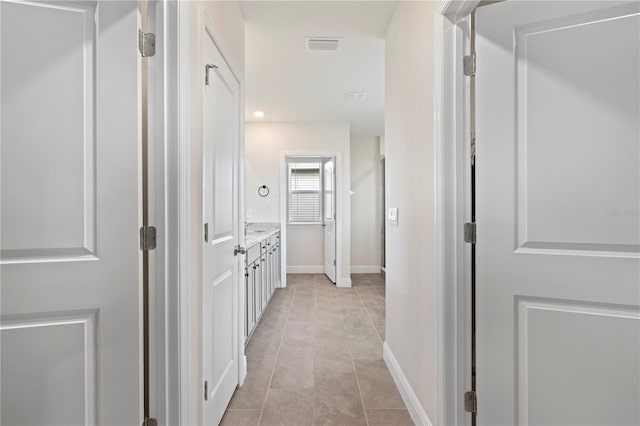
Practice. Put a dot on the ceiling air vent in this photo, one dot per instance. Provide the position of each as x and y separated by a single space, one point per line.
326 44
355 96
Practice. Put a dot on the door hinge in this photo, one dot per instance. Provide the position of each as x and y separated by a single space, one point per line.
470 232
149 421
334 262
206 232
470 402
469 65
473 148
146 44
147 238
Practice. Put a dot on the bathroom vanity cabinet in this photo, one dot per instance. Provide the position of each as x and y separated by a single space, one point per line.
262 276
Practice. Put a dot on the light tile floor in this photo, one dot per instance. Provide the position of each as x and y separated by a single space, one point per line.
316 359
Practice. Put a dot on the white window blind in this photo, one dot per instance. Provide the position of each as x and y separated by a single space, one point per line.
305 191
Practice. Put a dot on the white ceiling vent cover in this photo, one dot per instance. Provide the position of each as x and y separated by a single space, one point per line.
355 96
325 44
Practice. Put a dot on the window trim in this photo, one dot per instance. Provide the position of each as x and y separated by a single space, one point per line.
313 160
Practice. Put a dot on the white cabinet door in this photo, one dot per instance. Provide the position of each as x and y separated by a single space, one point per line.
70 196
221 268
558 213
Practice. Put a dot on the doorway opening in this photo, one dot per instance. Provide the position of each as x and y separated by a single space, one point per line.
311 211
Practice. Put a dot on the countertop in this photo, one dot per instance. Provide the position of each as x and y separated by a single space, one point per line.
256 232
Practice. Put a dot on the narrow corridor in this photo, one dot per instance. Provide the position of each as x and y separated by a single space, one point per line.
316 359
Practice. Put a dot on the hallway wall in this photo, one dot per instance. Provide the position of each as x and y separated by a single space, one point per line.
265 145
365 221
410 186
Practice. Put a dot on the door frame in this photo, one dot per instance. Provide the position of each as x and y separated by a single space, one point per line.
163 211
453 209
181 55
339 210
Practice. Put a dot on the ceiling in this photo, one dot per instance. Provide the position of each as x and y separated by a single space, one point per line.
289 83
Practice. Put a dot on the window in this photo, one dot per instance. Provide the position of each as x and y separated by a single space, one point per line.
305 191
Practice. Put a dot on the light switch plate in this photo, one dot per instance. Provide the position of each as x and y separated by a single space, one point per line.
393 216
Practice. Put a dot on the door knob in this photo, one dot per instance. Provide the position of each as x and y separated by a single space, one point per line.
239 250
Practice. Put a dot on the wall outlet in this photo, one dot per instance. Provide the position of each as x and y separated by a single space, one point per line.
249 214
393 216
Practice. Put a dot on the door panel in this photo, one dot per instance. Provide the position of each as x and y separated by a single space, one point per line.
70 172
330 219
558 184
221 268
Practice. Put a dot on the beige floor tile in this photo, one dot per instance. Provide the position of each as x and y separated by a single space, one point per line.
335 330
295 367
251 394
338 406
304 299
287 407
332 369
376 385
302 356
241 418
299 332
335 345
380 328
364 290
376 311
349 300
302 312
355 317
389 418
293 374
337 399
292 350
332 319
328 308
274 319
326 298
264 343
364 343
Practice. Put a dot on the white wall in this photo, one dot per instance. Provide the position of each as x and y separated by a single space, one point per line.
265 145
365 220
410 161
305 254
228 21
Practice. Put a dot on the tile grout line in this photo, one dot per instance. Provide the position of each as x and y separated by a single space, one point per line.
371 317
313 396
353 365
266 394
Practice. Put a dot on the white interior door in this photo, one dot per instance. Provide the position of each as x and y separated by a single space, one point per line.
329 190
220 286
71 317
558 213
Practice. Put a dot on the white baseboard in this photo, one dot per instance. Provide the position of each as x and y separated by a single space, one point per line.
344 282
305 269
418 415
365 269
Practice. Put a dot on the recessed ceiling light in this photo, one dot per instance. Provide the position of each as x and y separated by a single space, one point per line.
258 114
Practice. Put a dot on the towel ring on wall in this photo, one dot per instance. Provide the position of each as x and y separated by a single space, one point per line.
263 191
